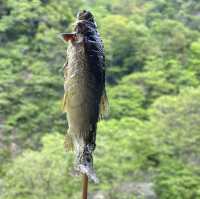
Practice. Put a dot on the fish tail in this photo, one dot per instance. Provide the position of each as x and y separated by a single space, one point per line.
89 172
84 164
85 147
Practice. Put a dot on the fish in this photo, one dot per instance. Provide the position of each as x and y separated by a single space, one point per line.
85 100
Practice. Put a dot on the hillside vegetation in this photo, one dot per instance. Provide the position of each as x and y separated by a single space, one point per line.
153 83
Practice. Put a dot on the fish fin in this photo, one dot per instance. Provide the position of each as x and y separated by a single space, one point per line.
103 106
84 162
82 169
69 146
89 172
65 103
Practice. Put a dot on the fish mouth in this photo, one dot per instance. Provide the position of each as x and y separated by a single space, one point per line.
84 24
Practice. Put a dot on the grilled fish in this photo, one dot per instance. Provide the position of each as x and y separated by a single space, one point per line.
85 96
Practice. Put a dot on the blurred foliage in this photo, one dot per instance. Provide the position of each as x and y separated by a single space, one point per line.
175 180
153 74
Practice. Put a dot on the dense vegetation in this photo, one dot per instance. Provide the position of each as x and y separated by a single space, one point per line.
153 82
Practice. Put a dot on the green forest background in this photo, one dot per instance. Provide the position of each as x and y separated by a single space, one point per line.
149 145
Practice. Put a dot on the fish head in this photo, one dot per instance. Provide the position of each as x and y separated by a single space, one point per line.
85 23
83 26
85 15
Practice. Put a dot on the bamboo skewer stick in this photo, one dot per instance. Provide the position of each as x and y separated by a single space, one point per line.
85 186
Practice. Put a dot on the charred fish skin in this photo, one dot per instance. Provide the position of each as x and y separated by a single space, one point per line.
84 86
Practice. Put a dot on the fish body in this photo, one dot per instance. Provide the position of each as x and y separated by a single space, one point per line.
84 86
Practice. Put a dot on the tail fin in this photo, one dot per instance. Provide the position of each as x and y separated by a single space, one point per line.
84 164
89 172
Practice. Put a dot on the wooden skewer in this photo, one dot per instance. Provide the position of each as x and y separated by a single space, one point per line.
85 186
